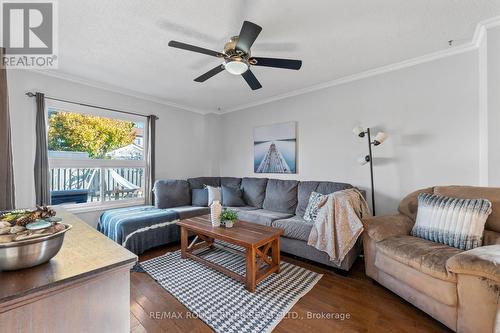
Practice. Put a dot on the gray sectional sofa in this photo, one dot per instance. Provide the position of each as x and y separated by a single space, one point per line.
271 202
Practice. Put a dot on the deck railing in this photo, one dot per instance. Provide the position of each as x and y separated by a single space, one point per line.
62 179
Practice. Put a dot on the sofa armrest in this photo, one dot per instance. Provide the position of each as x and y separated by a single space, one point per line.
482 261
383 227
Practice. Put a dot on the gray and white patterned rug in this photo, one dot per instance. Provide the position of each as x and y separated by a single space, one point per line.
223 303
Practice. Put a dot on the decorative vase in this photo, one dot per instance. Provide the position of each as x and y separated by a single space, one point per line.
229 223
215 212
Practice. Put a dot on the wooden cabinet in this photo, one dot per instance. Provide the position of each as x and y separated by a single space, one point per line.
84 288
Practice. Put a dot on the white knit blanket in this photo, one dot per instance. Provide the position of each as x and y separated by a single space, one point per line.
338 224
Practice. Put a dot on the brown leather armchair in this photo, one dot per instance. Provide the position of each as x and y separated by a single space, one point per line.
459 288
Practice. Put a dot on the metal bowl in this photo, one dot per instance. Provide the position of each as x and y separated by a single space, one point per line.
31 252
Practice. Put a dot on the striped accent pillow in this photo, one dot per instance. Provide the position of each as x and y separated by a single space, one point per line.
451 221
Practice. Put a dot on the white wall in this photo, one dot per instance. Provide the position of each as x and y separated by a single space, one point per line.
180 140
429 110
493 89
213 139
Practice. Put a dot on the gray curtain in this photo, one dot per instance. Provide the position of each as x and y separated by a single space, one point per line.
7 195
42 190
150 160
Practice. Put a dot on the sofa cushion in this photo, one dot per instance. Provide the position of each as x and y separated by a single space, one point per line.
232 196
295 227
254 191
444 292
261 216
304 190
242 208
281 196
171 193
474 192
186 212
200 182
307 187
330 187
230 181
199 197
423 255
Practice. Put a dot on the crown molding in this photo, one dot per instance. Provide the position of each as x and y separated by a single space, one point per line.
474 44
489 23
479 35
118 90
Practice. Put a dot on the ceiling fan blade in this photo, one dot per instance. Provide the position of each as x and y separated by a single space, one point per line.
251 80
193 48
248 35
210 73
278 63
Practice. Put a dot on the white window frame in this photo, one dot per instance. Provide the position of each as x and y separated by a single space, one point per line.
96 163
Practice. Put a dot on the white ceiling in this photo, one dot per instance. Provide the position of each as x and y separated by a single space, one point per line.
123 43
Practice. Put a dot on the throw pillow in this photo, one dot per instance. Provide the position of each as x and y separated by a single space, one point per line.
316 201
232 197
451 221
213 194
200 197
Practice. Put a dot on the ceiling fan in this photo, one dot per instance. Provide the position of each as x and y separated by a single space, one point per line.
238 57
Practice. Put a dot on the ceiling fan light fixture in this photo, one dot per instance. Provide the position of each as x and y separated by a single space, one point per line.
238 57
236 67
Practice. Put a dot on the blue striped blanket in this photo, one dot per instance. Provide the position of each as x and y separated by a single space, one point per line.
140 228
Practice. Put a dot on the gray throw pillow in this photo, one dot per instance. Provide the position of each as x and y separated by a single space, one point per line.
232 197
200 197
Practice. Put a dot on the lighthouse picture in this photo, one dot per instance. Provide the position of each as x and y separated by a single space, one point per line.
274 148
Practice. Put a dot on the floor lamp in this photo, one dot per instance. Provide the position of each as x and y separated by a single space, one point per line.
379 139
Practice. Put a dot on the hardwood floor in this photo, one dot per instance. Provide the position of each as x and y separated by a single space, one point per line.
371 307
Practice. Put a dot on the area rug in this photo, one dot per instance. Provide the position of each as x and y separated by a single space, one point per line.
223 303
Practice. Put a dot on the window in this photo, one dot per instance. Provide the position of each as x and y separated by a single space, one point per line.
96 157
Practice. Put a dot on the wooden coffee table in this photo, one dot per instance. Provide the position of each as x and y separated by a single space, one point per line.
257 240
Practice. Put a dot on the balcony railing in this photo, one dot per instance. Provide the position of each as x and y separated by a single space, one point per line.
109 183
